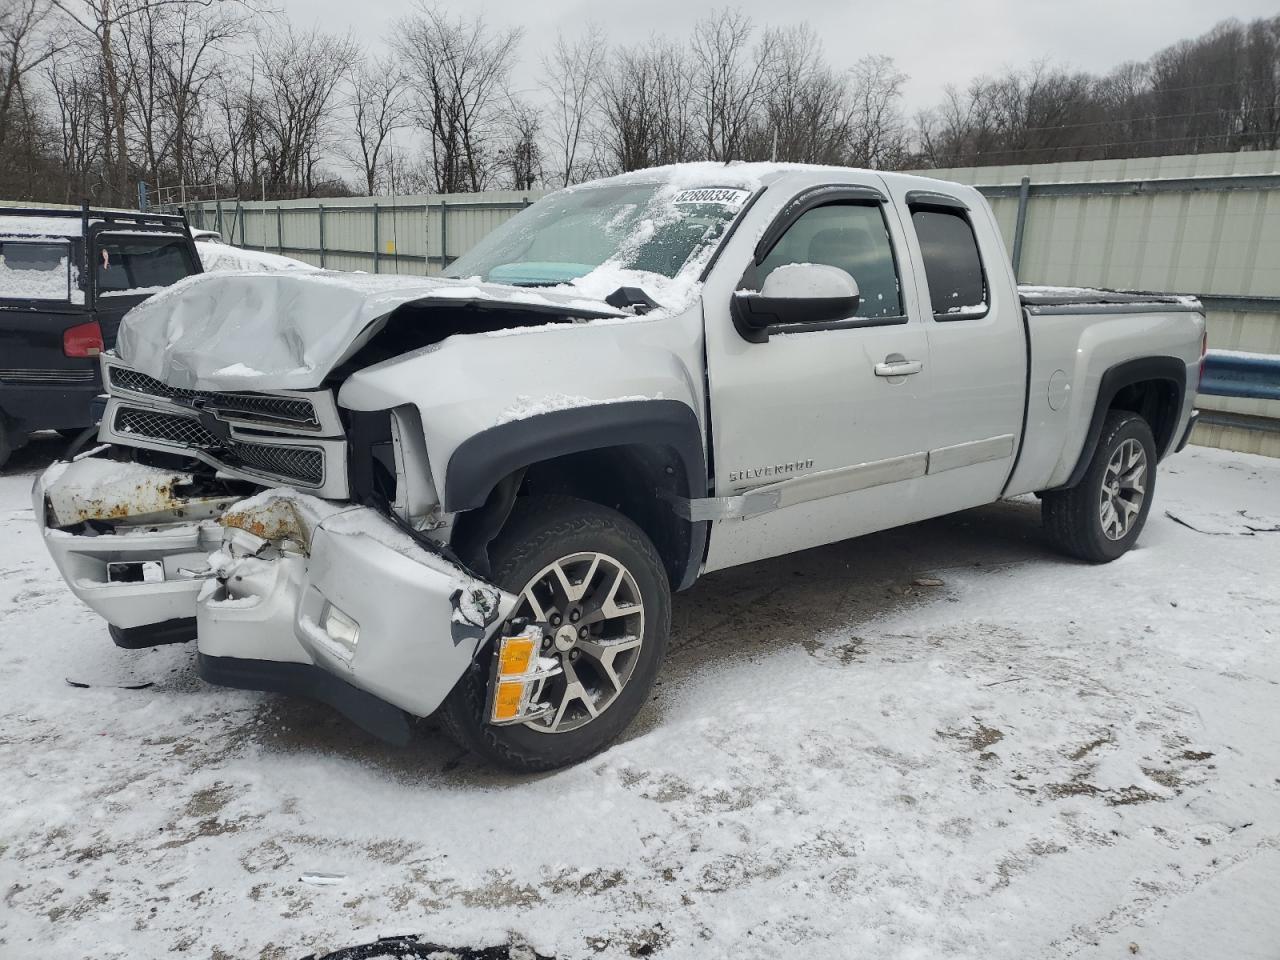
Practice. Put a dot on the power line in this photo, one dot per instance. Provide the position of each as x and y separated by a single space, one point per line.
1139 119
1122 143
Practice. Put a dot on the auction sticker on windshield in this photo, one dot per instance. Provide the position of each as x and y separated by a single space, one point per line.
729 196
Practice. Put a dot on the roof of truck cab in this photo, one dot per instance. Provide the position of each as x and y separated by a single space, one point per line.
753 175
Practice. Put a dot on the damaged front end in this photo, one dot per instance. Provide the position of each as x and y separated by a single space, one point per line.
282 591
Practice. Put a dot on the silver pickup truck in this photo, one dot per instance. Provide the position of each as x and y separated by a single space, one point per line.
474 495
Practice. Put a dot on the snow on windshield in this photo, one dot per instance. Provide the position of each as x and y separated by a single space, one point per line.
655 234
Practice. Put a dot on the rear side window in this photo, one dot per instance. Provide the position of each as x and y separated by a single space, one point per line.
135 265
35 270
952 266
853 237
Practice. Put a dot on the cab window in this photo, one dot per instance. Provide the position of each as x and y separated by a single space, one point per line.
952 265
132 265
853 237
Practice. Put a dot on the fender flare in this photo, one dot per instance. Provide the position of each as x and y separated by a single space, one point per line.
1115 379
483 460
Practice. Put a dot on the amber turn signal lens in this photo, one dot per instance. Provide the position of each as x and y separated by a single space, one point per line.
506 705
516 655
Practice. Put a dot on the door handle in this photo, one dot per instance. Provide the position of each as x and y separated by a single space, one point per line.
898 367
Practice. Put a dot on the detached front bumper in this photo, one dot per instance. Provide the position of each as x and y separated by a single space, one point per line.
288 592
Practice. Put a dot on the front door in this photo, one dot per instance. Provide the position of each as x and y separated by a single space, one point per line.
836 418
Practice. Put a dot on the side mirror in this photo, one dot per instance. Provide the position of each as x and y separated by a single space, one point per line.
795 293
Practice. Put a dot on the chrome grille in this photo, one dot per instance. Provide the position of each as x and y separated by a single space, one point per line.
286 409
299 463
182 431
305 464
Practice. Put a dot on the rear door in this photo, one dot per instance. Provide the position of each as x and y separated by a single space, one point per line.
813 408
977 343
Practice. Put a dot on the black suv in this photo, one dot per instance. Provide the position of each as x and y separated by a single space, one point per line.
67 277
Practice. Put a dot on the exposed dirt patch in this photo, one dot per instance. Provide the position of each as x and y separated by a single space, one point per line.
978 738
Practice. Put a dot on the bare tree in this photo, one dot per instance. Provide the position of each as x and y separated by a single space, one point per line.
102 22
76 95
295 113
730 81
458 69
877 130
807 108
571 80
647 106
191 66
521 156
379 106
23 49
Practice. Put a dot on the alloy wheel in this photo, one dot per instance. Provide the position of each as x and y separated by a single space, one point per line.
1123 489
593 616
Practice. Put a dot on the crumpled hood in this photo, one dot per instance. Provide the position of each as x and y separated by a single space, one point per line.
258 331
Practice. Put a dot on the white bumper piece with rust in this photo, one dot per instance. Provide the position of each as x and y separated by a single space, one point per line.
279 578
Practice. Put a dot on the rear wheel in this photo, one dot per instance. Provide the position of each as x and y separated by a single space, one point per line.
1101 517
596 583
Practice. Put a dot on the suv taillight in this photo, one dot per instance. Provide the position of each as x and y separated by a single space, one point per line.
82 340
1204 352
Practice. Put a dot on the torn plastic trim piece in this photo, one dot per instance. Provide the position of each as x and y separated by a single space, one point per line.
740 507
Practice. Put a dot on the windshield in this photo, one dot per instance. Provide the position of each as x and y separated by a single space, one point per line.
130 265
650 227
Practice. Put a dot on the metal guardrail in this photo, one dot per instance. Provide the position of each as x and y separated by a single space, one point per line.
1228 374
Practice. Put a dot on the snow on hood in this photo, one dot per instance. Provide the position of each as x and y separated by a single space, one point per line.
286 331
216 255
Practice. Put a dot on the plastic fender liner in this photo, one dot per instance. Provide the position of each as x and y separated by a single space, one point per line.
1169 369
482 461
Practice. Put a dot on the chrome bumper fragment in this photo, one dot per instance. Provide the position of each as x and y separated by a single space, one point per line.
286 578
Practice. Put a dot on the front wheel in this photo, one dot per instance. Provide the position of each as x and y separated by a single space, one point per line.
1101 517
597 585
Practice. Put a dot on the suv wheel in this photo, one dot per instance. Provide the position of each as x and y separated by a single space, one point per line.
596 583
1101 517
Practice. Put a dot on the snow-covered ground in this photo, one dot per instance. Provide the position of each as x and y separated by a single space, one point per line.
1033 759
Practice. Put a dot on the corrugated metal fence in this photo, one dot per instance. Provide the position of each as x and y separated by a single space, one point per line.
413 234
1207 224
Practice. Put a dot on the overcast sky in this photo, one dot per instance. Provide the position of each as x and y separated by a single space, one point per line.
935 42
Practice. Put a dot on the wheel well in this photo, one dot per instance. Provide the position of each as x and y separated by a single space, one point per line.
631 478
1159 402
1153 388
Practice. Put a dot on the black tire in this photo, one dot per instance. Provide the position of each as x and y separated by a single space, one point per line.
540 532
1074 519
6 442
